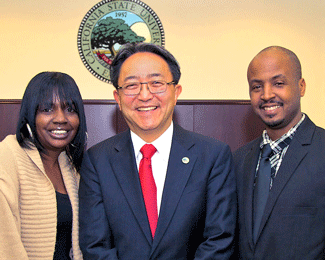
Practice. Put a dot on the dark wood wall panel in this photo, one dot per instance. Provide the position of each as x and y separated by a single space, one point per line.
9 113
101 121
184 116
235 124
232 122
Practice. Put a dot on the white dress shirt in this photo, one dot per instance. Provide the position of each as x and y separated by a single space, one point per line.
159 160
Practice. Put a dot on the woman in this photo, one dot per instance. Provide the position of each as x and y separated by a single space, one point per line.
38 172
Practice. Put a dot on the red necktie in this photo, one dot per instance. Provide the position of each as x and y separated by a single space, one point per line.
148 185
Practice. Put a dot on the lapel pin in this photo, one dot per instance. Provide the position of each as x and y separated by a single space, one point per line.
185 160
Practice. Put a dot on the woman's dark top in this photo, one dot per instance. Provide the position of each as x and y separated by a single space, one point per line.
64 227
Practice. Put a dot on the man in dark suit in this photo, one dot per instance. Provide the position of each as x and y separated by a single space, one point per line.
285 218
179 202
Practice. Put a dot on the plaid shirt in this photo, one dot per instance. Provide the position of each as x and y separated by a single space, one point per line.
279 148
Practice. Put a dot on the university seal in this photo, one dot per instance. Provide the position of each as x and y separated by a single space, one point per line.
110 24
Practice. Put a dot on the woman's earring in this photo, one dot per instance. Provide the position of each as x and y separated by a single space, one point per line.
29 131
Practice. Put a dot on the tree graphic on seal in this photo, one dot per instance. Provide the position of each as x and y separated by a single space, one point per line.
110 31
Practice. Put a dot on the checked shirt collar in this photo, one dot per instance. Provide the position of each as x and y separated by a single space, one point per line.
279 147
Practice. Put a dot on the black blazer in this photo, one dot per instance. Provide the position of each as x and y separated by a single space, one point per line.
293 225
198 209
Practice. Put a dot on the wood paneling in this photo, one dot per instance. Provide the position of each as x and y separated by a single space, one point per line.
9 113
231 121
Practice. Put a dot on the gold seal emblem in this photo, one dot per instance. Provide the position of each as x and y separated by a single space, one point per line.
110 24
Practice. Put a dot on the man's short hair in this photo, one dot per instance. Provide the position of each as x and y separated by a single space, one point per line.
129 49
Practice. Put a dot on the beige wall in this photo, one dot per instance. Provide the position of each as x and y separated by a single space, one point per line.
214 40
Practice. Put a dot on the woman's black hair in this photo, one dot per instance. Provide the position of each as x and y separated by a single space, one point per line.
40 92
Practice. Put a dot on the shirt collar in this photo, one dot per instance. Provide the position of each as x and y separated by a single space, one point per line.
278 145
162 143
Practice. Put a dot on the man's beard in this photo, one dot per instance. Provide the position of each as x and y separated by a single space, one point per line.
274 124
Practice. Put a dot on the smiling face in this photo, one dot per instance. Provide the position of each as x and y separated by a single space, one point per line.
275 91
56 125
148 115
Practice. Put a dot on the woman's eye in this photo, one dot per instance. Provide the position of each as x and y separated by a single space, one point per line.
70 109
46 110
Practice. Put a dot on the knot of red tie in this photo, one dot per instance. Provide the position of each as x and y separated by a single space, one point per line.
148 150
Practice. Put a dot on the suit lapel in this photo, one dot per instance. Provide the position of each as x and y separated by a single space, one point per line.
248 184
177 176
126 173
296 152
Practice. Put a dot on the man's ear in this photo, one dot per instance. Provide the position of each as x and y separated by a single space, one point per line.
178 91
117 98
302 87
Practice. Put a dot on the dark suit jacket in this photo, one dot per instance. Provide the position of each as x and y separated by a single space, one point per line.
293 225
198 210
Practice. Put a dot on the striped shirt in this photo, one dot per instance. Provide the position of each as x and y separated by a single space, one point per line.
279 148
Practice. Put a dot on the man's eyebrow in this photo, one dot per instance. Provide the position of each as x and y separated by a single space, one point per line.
255 81
149 76
273 78
154 75
278 76
131 77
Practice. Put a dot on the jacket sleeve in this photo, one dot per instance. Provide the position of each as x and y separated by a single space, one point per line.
221 210
11 246
94 234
